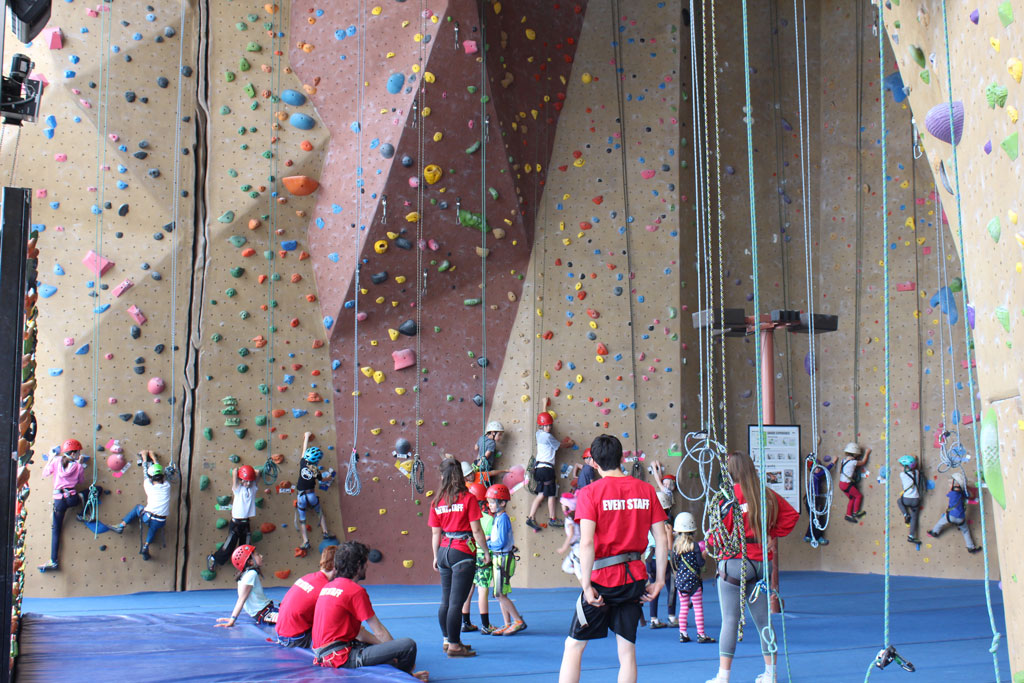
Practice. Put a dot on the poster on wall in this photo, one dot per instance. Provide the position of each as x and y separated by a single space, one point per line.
781 459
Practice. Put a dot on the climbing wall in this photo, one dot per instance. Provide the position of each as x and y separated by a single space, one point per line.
984 67
101 163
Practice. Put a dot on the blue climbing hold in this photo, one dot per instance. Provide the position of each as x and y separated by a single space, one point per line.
46 291
328 322
79 401
289 245
947 304
395 83
82 350
335 364
293 97
301 121
299 412
56 372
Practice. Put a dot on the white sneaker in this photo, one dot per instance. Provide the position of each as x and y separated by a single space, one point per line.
673 621
765 677
657 623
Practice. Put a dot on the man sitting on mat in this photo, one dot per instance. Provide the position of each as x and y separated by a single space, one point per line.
615 514
339 637
295 616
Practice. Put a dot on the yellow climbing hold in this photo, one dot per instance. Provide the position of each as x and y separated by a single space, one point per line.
393 334
531 34
407 564
380 299
426 112
391 235
375 431
1015 67
566 241
380 246
432 173
382 511
525 398
390 55
351 529
404 532
400 391
437 136
600 359
579 379
378 376
376 11
579 162
415 68
586 78
400 279
1020 238
1012 114
366 370
497 8
429 494
428 76
412 216
418 38
994 42
1012 215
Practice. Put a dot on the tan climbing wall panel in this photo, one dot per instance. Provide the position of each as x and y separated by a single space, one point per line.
261 337
985 67
111 144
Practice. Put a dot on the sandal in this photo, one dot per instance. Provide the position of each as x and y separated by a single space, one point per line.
703 638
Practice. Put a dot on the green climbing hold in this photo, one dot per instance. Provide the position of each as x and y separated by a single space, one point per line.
232 422
243 64
260 502
234 458
1005 12
926 77
208 434
225 110
237 271
244 315
995 94
485 99
253 47
474 148
223 500
269 255
471 89
1011 146
471 302
216 336
473 220
264 389
437 328
956 285
917 54
241 26
445 265
256 536
493 192
229 76
261 444
208 575
230 292
1003 316
242 368
994 229
244 351
260 420
226 217
237 240
991 469
249 90
240 433
204 482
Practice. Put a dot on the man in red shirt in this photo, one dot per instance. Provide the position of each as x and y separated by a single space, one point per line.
295 618
615 514
339 637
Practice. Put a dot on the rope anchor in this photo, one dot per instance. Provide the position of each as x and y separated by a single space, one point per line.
889 655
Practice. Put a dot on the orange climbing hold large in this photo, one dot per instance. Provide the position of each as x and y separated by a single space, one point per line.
300 185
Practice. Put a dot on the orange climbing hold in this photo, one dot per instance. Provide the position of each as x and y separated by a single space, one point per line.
602 350
254 223
317 343
300 185
314 397
283 573
306 146
267 527
259 341
303 255
277 412
296 277
277 459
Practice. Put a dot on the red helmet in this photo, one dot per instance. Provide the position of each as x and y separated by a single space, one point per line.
587 454
71 445
478 490
544 419
241 555
498 492
247 473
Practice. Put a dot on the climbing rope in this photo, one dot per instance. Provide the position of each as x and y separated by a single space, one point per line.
996 635
175 454
885 342
626 228
416 485
353 486
858 279
719 214
483 362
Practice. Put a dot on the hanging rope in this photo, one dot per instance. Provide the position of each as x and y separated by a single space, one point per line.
416 475
353 486
484 136
996 635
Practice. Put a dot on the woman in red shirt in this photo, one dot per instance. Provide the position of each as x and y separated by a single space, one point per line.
455 523
780 518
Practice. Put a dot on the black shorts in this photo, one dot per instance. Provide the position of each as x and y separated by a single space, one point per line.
544 477
621 612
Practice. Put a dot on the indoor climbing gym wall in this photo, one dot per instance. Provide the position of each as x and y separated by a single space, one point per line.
971 57
112 173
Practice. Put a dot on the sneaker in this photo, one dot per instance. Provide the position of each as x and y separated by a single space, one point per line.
145 553
932 534
43 568
556 522
327 534
467 628
976 549
683 638
673 621
704 638
462 651
488 630
514 627
211 563
532 523
850 518
657 623
118 528
822 541
807 539
500 630
304 546
860 514
906 519
913 539
765 677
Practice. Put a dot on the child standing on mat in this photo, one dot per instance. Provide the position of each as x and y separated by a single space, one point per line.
615 514
158 502
956 512
251 597
544 471
909 501
849 478
295 616
745 512
571 547
665 484
688 561
484 575
309 476
68 471
502 546
243 508
487 452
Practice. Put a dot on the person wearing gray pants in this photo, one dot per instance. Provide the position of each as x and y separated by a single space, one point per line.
956 513
729 599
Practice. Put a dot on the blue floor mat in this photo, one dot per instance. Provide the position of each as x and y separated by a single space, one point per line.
833 629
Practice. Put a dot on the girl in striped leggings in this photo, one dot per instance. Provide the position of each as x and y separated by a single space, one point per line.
688 560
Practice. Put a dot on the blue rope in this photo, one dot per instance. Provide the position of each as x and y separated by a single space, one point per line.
353 486
996 635
885 289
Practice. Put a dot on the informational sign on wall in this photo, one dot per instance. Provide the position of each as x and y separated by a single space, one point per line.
781 459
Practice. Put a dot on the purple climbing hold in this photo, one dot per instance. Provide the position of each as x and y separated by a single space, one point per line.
936 121
974 17
988 147
970 315
807 363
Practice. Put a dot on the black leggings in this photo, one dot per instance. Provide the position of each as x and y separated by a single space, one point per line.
61 506
238 534
457 570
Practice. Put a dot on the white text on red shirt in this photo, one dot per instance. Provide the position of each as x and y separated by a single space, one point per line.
304 585
626 504
332 592
445 509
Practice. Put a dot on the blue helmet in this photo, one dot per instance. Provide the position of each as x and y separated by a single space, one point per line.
313 454
908 461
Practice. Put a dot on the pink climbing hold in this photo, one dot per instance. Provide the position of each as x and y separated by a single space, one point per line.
136 314
156 385
116 462
53 37
60 156
647 174
123 287
404 358
469 46
96 263
936 121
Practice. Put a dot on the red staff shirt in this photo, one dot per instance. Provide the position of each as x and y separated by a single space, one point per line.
341 609
785 520
624 508
296 612
455 518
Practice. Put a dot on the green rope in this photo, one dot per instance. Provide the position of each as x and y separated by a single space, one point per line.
996 635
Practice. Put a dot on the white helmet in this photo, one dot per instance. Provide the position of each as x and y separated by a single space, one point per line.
467 468
852 448
494 426
960 479
684 522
